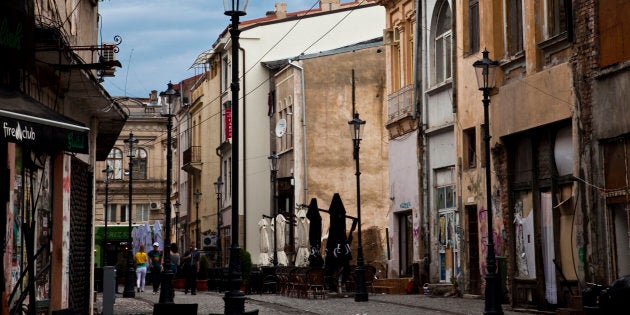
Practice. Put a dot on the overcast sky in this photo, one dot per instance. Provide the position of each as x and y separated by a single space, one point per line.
161 39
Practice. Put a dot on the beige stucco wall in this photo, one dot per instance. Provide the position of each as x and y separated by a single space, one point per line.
331 168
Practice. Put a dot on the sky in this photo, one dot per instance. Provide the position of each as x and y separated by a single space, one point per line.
161 39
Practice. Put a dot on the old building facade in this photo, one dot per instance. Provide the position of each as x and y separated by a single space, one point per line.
57 121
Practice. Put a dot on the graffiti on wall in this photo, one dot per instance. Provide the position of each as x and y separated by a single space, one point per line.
483 239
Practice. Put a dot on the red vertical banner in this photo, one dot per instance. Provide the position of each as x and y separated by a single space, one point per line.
228 123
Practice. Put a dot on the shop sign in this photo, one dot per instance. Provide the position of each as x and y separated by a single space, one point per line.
43 136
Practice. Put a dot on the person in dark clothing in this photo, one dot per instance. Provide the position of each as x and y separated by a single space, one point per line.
191 267
155 262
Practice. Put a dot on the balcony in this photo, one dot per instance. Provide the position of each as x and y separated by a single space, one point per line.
192 160
400 104
400 118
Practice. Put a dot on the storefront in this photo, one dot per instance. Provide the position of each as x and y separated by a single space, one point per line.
36 178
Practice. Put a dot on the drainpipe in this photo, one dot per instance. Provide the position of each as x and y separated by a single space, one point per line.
305 177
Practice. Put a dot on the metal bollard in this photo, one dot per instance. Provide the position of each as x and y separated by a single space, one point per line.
109 290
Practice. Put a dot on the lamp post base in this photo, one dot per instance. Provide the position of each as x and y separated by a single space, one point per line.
167 294
234 302
361 294
493 298
129 287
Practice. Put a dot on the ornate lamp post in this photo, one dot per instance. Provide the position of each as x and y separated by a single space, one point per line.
177 204
108 171
197 195
485 69
169 98
218 185
131 148
356 129
234 298
273 163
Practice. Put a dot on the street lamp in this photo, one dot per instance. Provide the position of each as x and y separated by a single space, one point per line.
218 185
234 298
108 171
485 69
356 130
273 163
177 204
131 148
197 222
169 99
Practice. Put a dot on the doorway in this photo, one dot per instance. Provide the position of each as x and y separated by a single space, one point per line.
473 249
405 244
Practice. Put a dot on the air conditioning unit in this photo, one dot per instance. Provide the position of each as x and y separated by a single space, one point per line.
108 54
154 206
391 36
209 240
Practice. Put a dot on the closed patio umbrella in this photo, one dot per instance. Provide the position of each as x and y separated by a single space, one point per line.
337 248
279 227
302 254
315 235
263 226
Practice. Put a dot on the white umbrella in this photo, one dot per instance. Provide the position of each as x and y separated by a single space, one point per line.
135 239
303 225
279 226
157 234
147 238
263 225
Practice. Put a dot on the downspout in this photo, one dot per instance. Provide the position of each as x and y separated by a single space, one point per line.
305 177
244 91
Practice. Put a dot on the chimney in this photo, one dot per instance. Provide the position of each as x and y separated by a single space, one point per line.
329 5
281 10
153 98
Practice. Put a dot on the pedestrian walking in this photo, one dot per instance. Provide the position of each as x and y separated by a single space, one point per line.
175 257
191 267
155 262
141 268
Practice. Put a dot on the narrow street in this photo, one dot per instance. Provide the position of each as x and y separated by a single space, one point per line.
212 303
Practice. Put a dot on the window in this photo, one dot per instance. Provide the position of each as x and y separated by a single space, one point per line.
442 43
114 160
110 213
514 26
448 224
396 61
124 214
142 212
473 26
225 65
140 165
556 17
470 148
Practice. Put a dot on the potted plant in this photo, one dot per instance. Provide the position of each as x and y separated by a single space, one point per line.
246 267
179 281
202 275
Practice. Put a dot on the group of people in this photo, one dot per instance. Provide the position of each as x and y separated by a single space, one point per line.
154 259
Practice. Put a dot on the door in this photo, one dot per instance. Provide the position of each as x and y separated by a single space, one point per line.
405 244
473 250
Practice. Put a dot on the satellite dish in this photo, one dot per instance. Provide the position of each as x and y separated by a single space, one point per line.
281 127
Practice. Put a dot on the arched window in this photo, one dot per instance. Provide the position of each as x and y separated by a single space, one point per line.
140 165
442 43
114 160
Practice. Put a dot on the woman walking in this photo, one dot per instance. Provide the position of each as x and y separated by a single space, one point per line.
141 268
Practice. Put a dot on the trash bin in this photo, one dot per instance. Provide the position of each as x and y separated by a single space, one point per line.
109 290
